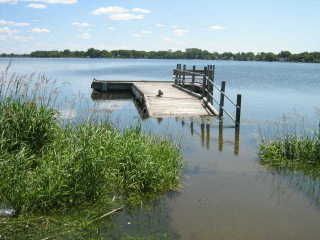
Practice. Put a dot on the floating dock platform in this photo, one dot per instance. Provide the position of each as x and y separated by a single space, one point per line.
172 102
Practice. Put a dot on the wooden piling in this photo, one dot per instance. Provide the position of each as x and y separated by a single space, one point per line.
176 74
193 75
238 111
221 105
237 141
220 138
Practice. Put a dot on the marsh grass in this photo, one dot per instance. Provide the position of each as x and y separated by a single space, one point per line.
47 168
293 149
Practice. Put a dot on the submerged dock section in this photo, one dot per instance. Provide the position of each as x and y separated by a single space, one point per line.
190 93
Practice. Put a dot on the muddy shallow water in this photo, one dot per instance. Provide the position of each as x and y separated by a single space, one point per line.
226 193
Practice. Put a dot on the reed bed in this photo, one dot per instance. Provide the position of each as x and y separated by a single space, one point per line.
48 168
292 149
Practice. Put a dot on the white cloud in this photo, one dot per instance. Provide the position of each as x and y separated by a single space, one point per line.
110 10
38 2
15 37
216 27
9 1
53 1
141 10
117 13
7 34
40 30
159 25
7 31
21 38
12 23
180 32
81 24
126 17
85 36
37 6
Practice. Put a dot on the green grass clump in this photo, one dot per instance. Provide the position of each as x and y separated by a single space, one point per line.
25 125
291 151
45 167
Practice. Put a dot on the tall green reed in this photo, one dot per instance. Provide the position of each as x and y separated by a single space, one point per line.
292 147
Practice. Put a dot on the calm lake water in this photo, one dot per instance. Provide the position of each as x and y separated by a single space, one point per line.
226 193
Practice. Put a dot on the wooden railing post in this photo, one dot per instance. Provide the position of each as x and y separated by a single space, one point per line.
212 79
204 82
179 74
208 86
193 74
184 74
176 74
221 105
238 110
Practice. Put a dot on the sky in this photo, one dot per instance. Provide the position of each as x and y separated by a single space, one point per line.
214 25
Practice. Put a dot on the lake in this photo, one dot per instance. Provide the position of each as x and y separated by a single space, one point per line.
226 193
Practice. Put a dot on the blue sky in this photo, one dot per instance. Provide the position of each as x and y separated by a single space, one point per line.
215 25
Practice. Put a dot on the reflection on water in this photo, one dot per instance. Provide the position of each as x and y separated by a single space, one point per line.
225 192
150 222
204 129
199 126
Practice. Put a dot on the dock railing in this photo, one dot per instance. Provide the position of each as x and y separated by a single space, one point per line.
201 82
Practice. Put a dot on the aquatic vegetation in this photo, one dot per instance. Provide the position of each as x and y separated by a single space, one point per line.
48 169
292 151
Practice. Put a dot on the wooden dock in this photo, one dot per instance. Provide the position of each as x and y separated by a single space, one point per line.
173 102
193 92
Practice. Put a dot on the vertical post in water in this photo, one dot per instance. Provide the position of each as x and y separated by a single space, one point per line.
176 74
220 135
222 92
238 111
184 74
237 141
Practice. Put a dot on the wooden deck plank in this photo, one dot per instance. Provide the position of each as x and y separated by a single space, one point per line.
174 102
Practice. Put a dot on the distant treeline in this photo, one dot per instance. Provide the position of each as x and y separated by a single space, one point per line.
191 53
